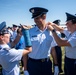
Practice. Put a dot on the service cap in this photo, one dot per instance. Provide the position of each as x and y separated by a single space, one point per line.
57 22
70 17
37 11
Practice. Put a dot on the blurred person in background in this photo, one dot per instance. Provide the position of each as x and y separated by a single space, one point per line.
14 28
11 33
58 49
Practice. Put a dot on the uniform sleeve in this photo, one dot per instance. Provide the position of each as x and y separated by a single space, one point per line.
53 44
72 40
66 32
15 55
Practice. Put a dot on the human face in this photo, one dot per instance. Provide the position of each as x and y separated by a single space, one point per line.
70 26
38 20
14 28
6 38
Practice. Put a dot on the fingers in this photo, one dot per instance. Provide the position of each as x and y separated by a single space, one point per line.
50 23
25 26
49 26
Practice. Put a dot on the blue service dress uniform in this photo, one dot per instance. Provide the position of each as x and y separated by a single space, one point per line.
9 60
39 62
70 54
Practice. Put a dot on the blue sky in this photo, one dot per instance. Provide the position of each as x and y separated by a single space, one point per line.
17 11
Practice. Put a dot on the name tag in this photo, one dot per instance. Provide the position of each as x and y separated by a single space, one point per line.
34 39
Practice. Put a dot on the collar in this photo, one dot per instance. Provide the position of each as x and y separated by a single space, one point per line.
4 46
37 29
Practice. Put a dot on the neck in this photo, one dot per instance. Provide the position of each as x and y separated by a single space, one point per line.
73 30
1 42
42 26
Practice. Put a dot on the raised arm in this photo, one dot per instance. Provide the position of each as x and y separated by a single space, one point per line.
56 27
59 41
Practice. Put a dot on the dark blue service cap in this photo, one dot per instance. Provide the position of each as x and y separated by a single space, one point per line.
14 25
70 17
37 11
3 29
57 22
2 26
